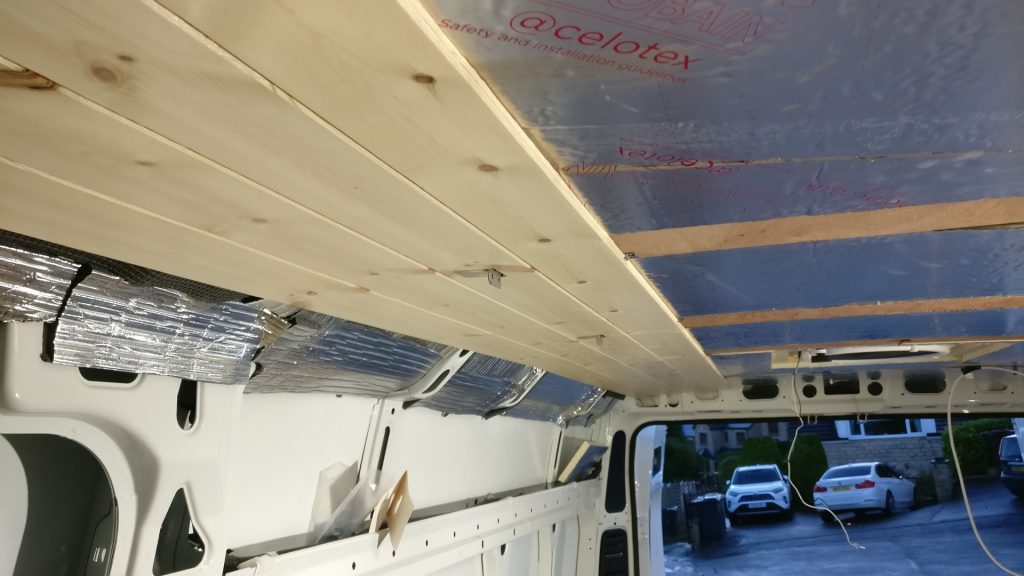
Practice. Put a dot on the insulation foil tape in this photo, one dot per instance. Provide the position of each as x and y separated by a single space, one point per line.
322 353
111 324
32 286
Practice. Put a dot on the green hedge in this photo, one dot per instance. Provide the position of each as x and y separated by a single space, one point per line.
925 484
807 463
974 450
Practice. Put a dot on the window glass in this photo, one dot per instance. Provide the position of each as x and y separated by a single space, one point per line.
1010 449
847 472
755 476
884 427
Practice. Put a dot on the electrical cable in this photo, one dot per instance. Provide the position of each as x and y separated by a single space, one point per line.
789 456
960 474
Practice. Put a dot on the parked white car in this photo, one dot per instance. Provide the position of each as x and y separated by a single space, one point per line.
756 490
863 487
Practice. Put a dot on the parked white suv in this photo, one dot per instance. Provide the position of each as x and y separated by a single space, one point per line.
756 490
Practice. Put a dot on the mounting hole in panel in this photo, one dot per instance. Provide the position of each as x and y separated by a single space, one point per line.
437 381
179 545
188 405
108 376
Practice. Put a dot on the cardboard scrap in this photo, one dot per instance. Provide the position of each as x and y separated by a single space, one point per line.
393 509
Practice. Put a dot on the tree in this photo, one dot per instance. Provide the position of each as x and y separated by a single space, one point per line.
807 463
727 464
682 462
760 451
754 451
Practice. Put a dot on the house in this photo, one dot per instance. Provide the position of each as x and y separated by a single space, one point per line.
712 439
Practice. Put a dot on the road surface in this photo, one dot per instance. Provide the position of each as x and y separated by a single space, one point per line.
934 540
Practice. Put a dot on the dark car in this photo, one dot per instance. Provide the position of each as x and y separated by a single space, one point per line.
1011 465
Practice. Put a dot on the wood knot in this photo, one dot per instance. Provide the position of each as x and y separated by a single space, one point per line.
424 78
487 168
106 74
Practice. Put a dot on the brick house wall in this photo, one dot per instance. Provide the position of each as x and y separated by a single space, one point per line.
907 454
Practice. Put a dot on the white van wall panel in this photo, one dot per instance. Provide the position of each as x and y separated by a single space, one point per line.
517 558
434 545
137 422
454 458
277 449
565 547
251 463
468 567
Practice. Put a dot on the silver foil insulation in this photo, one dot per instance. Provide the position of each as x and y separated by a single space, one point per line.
556 399
32 286
326 354
482 385
111 324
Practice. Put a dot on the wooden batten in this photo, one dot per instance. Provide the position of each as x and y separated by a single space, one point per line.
990 212
937 306
777 348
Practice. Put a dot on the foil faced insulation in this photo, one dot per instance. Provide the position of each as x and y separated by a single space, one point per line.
555 399
483 384
111 324
32 286
325 354
601 407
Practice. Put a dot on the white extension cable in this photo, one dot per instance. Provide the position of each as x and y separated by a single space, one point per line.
960 474
789 456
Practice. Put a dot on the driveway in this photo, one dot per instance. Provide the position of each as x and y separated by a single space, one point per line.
932 540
